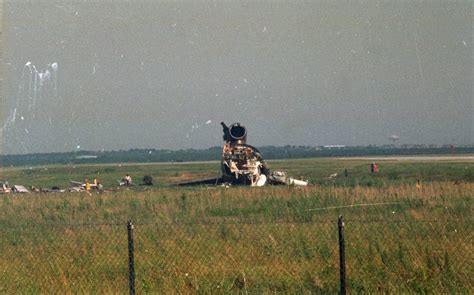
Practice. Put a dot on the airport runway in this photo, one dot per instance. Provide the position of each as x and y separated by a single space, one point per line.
413 158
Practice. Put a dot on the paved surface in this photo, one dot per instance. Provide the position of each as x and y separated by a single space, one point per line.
463 158
414 158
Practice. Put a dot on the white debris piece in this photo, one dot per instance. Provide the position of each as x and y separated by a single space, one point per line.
20 189
297 182
332 176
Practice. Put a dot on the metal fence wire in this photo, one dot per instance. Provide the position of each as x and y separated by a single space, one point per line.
235 257
59 259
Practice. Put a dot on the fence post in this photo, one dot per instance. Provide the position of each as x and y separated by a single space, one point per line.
131 262
342 256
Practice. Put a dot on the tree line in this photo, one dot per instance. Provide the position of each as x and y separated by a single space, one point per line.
214 153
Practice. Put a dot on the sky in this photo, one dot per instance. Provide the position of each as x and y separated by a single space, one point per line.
111 75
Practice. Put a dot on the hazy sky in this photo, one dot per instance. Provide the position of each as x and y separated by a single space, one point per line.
163 74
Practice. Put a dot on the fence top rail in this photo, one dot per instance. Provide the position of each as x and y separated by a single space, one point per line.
235 222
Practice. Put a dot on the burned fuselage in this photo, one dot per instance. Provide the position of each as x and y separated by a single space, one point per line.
241 163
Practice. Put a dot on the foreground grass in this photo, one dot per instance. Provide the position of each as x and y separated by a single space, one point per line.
239 240
242 240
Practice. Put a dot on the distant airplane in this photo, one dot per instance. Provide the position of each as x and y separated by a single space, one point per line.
394 138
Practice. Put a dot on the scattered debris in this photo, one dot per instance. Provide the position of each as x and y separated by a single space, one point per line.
4 188
85 186
147 180
280 177
126 181
20 189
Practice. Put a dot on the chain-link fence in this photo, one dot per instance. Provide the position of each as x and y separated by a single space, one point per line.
58 259
414 256
236 257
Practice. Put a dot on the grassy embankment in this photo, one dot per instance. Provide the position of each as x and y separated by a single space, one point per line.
273 239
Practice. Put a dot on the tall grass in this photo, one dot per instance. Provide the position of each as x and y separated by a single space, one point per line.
239 240
438 200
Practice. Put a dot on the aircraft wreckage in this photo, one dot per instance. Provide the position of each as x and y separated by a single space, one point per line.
243 164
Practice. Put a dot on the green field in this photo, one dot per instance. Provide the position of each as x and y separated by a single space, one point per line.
240 239
316 171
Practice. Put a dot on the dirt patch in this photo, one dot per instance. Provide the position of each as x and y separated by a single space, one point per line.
187 177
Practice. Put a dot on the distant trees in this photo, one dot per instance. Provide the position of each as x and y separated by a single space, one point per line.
214 153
